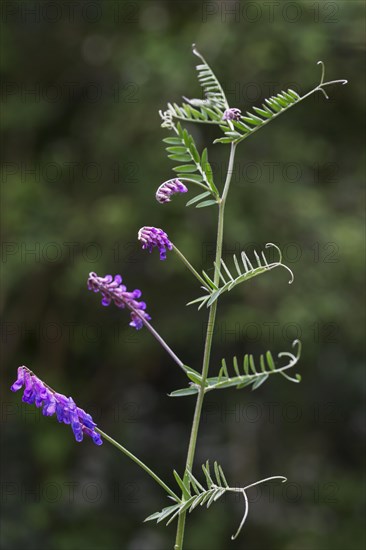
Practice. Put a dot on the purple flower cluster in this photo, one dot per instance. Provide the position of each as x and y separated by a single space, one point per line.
153 236
169 188
232 114
112 289
38 393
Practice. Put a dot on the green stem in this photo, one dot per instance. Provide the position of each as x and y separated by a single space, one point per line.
139 462
207 352
159 338
189 265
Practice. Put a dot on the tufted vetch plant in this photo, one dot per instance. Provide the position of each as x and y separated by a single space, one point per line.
194 486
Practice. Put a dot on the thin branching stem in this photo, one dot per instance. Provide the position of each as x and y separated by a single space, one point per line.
189 266
139 462
159 339
207 352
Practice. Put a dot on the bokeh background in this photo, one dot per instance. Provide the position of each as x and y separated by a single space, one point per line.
82 158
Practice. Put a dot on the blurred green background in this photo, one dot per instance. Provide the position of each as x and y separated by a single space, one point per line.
81 89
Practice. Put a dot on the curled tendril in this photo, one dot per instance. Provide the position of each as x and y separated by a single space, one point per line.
322 83
323 72
246 510
269 245
246 501
293 360
167 119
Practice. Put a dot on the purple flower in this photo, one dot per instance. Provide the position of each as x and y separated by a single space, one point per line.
151 237
232 114
112 289
38 393
168 188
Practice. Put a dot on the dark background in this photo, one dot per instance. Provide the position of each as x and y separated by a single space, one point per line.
82 158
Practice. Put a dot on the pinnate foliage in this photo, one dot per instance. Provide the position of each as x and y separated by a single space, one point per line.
195 167
251 122
251 373
196 494
209 110
245 269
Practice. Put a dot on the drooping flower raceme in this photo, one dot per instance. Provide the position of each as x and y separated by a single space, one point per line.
168 188
232 114
112 289
38 393
153 236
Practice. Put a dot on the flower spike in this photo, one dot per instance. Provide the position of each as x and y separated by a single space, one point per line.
232 114
153 236
112 289
38 393
168 188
